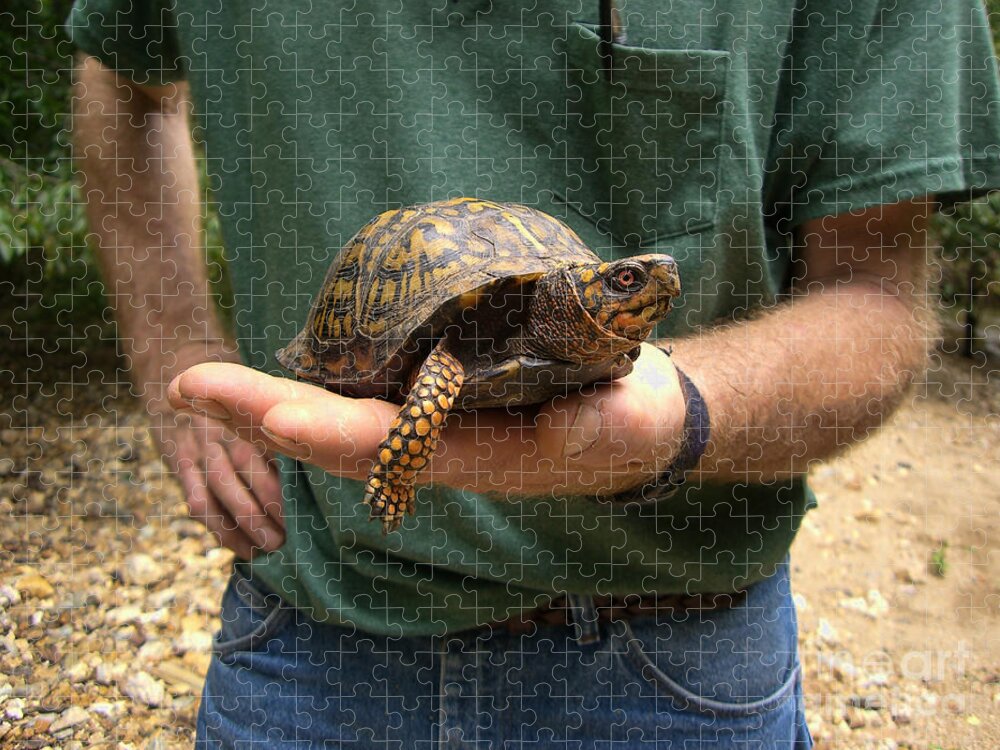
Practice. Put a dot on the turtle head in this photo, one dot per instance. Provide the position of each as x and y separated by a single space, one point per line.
592 312
629 296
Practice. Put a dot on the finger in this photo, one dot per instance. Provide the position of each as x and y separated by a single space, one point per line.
233 392
205 508
261 476
339 434
625 422
239 503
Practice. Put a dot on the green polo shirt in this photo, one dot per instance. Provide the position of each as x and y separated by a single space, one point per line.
724 126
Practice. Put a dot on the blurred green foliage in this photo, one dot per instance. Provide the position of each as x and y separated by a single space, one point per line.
44 252
43 242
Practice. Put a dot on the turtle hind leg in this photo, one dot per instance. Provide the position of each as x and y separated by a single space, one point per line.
412 439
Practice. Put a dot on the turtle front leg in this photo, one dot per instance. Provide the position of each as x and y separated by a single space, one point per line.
412 439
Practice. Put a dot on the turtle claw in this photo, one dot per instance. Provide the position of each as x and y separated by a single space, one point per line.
389 502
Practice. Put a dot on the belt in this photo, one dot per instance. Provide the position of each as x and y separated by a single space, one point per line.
611 608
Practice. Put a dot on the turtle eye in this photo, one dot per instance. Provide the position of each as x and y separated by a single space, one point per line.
628 280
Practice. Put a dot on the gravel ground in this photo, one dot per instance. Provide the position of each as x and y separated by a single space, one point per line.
109 594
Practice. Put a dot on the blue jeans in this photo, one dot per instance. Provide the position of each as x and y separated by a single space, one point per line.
726 679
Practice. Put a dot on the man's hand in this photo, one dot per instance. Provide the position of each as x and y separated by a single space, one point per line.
604 440
231 485
133 150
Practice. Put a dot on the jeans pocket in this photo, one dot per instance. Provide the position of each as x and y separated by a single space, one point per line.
773 683
251 616
642 147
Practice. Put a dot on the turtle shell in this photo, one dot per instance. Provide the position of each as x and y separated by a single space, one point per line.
411 272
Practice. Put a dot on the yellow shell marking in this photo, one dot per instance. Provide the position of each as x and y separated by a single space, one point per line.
523 230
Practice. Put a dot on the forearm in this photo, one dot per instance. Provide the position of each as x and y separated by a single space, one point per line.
810 378
141 190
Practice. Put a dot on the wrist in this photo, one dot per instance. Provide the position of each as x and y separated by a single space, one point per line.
695 436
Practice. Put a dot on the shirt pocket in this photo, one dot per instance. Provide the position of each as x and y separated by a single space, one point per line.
642 149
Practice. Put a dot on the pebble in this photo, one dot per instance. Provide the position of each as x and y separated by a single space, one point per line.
8 596
866 702
35 585
876 679
122 615
193 640
71 717
841 669
141 570
855 719
826 632
873 605
109 673
154 650
78 671
902 715
111 711
144 688
36 504
13 709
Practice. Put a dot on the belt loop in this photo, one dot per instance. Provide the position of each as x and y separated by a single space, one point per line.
584 617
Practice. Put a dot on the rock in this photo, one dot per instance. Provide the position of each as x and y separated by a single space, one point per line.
35 504
841 669
141 570
910 574
35 585
873 605
71 717
855 719
826 632
144 688
110 711
876 679
123 615
877 605
902 715
8 596
193 640
866 702
109 673
153 650
13 709
78 671
868 516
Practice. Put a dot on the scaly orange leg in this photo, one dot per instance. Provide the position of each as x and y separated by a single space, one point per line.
412 439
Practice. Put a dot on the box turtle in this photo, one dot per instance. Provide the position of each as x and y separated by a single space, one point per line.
467 303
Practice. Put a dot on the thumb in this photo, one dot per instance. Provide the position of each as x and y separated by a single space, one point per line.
636 419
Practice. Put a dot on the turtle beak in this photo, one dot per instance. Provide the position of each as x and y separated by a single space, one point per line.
298 357
663 272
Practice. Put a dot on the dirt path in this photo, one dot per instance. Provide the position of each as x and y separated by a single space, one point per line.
899 570
108 594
